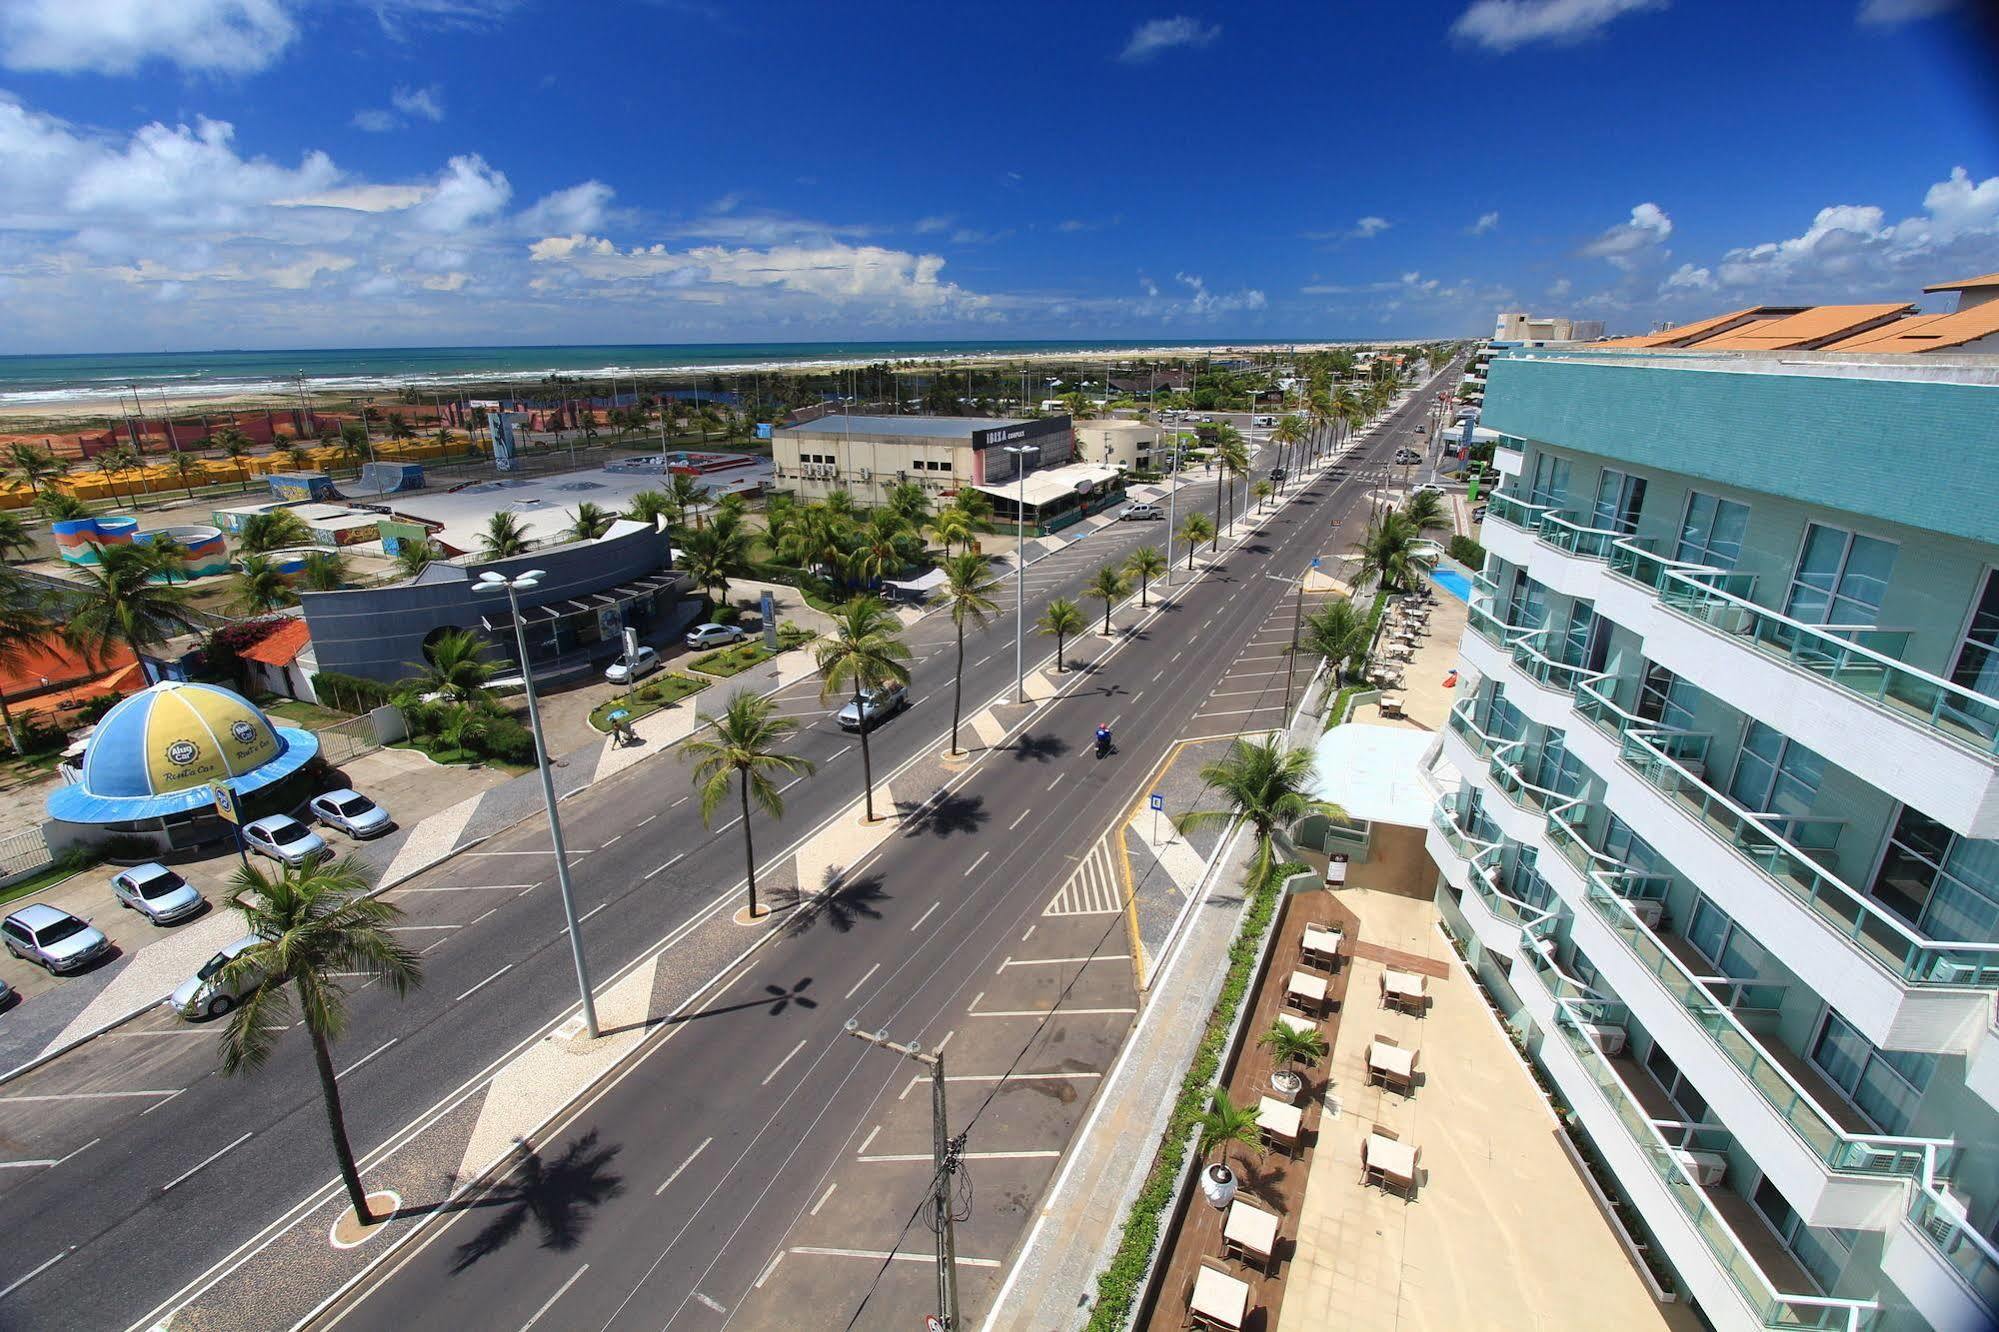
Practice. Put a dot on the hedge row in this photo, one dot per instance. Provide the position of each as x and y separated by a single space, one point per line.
1119 1285
351 693
1468 552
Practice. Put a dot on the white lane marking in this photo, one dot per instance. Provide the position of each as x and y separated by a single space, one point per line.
182 1179
882 1255
157 1104
1051 961
830 1187
1029 935
22 1281
366 1057
580 919
81 1150
667 866
37 1164
862 981
946 1041
925 916
1042 1154
675 805
716 1305
1003 965
647 819
1242 712
488 981
1161 671
1043 1012
775 1259
1018 819
975 864
546 851
90 1096
525 891
682 1166
560 1291
1058 777
983 660
782 1062
871 1137
1175 657
466 888
920 1080
481 916
607 844
411 929
838 752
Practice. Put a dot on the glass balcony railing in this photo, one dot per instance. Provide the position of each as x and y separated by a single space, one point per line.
1508 770
1761 840
1510 508
1968 1253
1859 660
1776 1308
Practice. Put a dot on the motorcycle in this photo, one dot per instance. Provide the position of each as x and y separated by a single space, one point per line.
1104 745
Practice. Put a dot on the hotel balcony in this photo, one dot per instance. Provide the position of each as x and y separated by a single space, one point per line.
1841 690
1826 1159
1474 868
1728 1257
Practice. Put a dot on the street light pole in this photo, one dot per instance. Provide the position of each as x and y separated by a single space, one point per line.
1020 452
944 1155
493 582
1297 615
1172 508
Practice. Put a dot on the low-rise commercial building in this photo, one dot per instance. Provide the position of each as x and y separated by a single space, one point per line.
865 455
1128 445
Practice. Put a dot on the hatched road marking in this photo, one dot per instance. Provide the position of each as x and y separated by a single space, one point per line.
1092 890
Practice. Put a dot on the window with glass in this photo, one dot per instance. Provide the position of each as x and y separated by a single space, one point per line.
1665 698
1841 578
1633 851
1977 664
1503 720
1527 885
1947 886
1712 531
1884 1085
1527 608
1559 770
1775 774
1724 943
1821 1252
1619 497
1692 1106
1550 483
1586 640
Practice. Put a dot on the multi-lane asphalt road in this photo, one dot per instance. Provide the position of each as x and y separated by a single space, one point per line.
131 1165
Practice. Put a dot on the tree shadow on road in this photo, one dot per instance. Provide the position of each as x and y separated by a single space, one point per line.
1039 748
774 1000
842 909
557 1196
955 813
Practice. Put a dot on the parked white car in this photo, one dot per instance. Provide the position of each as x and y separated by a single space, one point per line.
284 839
157 893
634 667
51 937
204 995
713 635
351 812
1142 513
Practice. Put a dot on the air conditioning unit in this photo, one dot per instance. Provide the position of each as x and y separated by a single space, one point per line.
1705 1168
1732 619
1648 909
1608 1038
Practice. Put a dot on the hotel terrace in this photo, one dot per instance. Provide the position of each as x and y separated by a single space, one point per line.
1726 849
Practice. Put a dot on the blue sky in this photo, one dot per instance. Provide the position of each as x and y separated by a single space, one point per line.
264 173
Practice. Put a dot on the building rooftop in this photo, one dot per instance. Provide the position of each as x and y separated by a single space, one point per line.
282 645
1819 326
1966 284
913 427
1881 327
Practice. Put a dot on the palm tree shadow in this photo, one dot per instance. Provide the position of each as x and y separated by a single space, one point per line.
947 817
557 1196
842 909
774 1000
1040 748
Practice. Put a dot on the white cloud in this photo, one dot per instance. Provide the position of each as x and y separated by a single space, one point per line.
1367 228
1503 25
1903 11
1629 243
1147 285
1486 222
1150 38
424 103
1559 288
118 36
1688 278
467 192
578 208
375 120
1203 302
927 226
833 272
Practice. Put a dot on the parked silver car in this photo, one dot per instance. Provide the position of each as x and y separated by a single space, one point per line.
51 937
876 705
351 812
157 893
634 667
713 635
204 995
285 839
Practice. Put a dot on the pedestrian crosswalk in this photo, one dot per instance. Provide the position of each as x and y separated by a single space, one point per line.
1092 890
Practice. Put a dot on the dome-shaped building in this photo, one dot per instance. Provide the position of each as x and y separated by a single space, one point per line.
151 760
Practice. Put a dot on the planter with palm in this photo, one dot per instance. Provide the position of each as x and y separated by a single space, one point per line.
1108 585
745 746
277 529
1145 564
413 557
260 587
1263 490
863 650
649 506
324 571
969 588
1064 619
169 556
1267 784
1193 531
1225 1125
318 932
1292 1046
714 554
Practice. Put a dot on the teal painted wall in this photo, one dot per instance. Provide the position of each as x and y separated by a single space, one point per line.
1925 455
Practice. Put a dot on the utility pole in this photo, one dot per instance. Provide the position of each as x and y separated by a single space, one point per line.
944 1160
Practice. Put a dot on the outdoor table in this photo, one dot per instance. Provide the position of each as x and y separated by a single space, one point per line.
1296 1023
1306 991
1391 705
1388 1158
1402 988
1391 1063
1280 1122
1219 1300
1321 944
1252 1232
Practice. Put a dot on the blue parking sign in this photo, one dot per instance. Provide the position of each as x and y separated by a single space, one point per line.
1158 801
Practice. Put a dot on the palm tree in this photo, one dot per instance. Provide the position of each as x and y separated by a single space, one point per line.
1289 432
297 455
235 446
454 664
1107 586
714 554
1338 632
119 603
969 588
261 588
1145 564
317 931
167 555
907 501
1226 1125
1266 784
1193 531
649 506
24 622
863 651
1290 1045
14 535
1234 459
951 526
185 465
58 506
37 466
413 557
275 529
111 464
324 571
1064 619
975 505
685 493
744 745
1263 490
504 537
1388 552
1425 509
840 503
589 522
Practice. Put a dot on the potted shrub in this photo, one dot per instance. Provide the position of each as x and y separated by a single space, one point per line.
1289 1045
1224 1124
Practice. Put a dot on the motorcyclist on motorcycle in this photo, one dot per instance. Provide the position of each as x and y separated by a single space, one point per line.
1103 740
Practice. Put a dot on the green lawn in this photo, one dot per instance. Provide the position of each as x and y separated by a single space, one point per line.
659 692
311 716
429 745
729 661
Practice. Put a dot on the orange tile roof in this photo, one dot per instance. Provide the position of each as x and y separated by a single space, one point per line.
1927 333
57 661
1983 280
1806 329
281 646
1682 334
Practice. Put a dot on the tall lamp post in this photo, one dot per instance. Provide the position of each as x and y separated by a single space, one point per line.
1172 494
1020 452
490 582
1297 614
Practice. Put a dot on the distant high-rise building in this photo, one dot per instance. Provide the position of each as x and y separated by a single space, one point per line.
1518 326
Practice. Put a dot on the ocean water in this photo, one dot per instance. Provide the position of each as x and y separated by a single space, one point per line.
87 379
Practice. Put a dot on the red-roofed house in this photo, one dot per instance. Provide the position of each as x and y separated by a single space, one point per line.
281 661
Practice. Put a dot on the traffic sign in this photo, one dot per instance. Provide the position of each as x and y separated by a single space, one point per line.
225 802
1158 801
